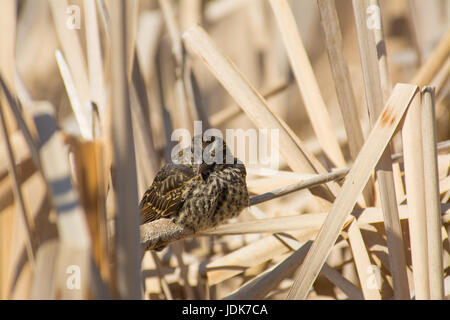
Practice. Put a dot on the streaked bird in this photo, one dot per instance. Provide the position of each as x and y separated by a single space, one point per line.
200 194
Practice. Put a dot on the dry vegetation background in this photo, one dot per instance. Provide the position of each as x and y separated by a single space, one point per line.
87 113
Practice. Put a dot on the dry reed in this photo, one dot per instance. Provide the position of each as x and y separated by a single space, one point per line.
85 130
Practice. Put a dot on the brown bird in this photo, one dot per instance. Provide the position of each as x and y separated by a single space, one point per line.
198 195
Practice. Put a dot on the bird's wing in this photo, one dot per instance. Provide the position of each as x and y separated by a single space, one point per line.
164 197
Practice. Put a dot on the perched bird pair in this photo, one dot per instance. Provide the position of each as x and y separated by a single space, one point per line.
198 195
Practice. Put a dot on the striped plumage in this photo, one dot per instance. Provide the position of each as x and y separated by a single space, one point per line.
164 197
197 196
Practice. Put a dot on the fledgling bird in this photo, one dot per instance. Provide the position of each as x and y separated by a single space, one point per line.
198 195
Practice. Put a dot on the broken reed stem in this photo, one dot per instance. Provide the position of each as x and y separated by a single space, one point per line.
433 212
376 88
20 204
415 192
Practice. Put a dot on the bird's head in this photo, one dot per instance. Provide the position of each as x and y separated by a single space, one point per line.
213 153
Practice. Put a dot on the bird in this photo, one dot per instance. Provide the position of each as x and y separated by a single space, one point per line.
199 194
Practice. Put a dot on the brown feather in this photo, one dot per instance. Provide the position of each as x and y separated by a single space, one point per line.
164 197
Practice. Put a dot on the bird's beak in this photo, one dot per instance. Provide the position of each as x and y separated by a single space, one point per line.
201 167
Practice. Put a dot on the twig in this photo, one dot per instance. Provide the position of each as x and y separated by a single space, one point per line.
308 183
161 232
443 146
